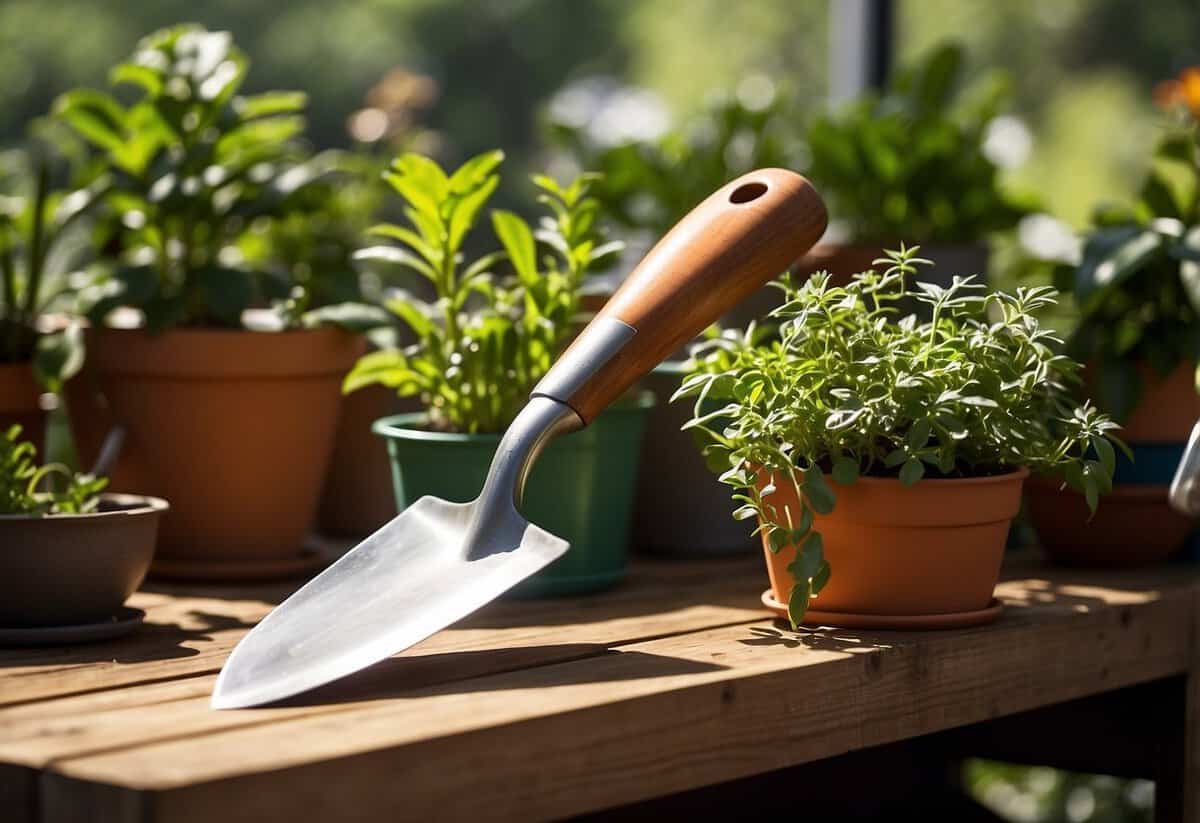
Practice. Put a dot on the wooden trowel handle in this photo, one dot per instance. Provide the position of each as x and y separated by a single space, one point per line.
744 234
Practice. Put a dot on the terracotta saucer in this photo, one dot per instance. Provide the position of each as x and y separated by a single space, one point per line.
902 622
121 623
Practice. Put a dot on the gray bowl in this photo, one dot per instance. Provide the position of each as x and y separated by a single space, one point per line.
72 569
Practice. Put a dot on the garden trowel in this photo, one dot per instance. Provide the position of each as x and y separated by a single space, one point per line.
438 561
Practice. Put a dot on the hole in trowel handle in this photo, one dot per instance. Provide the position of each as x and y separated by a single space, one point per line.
747 192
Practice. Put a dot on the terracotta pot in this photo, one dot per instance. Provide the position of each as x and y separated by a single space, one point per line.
235 428
357 497
1133 526
20 397
70 569
930 549
1168 408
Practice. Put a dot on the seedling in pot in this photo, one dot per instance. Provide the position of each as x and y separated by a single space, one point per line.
29 489
488 337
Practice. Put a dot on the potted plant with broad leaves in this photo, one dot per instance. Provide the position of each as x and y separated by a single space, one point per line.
910 163
233 425
497 324
1136 287
43 238
71 555
647 186
884 457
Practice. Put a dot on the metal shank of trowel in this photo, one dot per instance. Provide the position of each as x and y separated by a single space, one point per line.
744 234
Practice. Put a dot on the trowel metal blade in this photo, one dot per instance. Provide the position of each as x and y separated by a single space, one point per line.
402 584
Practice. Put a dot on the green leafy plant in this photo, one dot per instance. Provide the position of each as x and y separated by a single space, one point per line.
26 488
847 390
1137 284
43 239
651 185
487 337
193 166
910 162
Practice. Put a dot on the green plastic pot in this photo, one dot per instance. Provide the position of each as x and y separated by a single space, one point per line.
581 488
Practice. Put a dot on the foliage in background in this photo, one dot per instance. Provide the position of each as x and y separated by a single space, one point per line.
1137 284
486 339
192 165
1041 795
847 391
910 162
315 243
652 184
42 240
26 488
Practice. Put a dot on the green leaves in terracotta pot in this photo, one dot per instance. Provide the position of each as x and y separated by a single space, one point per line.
194 165
910 162
850 389
1137 280
26 488
497 321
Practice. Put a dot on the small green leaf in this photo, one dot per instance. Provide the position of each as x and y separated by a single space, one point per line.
798 603
912 471
820 497
58 357
918 434
821 577
517 239
845 470
1108 457
473 173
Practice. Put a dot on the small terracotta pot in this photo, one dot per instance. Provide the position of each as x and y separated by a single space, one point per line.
1133 526
70 569
930 549
1167 409
235 428
20 397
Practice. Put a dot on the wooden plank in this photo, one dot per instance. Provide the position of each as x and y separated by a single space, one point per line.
191 630
38 732
661 716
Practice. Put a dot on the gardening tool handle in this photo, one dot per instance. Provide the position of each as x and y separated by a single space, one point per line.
745 233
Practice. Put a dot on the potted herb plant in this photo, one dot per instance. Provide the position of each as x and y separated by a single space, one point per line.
1136 286
829 429
41 239
71 555
909 163
497 324
234 425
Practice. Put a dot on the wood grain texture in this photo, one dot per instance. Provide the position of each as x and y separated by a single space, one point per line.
548 709
744 234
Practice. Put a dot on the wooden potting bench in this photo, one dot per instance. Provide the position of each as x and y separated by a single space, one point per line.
626 703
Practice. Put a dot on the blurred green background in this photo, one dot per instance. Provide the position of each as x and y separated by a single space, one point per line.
1082 70
477 74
